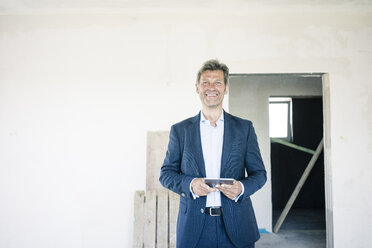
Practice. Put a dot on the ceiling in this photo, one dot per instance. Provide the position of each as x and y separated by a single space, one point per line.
102 6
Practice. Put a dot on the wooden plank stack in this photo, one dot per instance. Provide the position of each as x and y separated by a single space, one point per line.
156 209
155 218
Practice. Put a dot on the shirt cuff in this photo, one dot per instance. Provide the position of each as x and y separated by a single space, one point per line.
242 193
193 194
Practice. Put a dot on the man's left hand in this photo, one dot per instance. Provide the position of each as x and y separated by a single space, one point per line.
230 190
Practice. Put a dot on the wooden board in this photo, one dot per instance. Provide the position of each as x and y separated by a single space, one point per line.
150 220
139 201
174 201
162 220
155 219
157 143
298 188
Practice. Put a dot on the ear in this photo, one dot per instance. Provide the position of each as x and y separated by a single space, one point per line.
227 88
197 88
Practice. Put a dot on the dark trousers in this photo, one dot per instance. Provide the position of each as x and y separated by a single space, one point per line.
214 234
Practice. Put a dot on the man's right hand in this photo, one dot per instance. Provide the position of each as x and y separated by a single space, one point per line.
200 188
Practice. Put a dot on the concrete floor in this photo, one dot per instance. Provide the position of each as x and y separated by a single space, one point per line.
303 228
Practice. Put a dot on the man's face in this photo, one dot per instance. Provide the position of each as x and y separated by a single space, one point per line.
211 88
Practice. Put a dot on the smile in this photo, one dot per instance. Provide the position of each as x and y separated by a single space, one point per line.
211 95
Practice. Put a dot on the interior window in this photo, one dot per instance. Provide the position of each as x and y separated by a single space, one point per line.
280 111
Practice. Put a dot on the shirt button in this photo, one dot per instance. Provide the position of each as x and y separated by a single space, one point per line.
202 210
183 194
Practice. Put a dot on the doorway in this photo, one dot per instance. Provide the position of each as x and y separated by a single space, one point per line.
305 122
249 98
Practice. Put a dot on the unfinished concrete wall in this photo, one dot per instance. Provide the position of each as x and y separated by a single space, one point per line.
80 88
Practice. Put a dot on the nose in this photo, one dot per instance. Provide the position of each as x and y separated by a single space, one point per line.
211 85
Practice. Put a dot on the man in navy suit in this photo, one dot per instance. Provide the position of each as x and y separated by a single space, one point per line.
214 144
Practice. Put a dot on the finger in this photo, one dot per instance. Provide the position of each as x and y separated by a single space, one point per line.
236 187
201 187
223 190
220 188
203 192
228 193
207 189
226 188
204 186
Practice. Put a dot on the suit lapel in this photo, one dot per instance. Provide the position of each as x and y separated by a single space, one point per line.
228 137
196 144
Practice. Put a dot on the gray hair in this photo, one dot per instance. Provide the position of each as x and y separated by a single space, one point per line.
214 65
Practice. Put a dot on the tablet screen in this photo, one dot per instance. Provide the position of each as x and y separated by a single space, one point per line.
211 182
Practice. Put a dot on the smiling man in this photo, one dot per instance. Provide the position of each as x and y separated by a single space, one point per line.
214 145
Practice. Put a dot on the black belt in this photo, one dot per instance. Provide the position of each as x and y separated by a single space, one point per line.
213 211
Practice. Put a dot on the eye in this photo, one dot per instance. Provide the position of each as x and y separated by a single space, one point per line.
205 83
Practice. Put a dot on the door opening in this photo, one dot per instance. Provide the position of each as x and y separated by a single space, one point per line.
289 163
248 98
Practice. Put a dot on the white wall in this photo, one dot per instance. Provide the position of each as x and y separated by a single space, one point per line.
79 91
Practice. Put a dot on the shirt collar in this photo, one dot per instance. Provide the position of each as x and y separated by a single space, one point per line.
203 120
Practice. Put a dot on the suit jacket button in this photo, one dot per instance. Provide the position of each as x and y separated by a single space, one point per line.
183 194
202 210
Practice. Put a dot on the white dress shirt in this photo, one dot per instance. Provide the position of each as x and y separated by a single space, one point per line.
212 144
212 141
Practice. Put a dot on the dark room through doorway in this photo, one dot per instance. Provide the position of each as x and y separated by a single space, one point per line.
304 116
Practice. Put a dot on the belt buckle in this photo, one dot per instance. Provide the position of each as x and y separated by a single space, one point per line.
211 212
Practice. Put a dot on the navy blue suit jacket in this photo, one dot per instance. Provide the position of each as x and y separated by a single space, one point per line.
184 161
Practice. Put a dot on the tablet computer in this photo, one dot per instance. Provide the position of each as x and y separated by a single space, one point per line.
211 182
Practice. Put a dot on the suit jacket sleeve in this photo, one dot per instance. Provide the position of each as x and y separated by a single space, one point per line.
254 165
171 176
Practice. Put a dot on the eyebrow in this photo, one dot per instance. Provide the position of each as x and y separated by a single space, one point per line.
209 78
